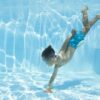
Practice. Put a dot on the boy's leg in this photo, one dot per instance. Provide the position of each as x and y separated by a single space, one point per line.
88 24
92 22
85 20
85 16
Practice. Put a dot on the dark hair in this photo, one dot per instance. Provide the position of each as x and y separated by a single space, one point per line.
48 52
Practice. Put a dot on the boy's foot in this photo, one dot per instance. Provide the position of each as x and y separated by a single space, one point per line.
85 8
98 16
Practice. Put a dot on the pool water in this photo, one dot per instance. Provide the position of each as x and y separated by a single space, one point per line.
29 26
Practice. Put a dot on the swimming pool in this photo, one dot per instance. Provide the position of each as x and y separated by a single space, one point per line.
26 28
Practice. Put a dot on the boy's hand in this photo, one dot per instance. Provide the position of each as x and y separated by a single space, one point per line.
48 90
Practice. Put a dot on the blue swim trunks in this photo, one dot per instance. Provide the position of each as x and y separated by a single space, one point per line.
79 36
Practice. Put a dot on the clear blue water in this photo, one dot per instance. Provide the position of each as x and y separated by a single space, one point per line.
26 28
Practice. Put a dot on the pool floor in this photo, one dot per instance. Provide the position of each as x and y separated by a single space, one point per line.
30 86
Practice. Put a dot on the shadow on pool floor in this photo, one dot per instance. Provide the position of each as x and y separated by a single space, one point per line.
69 84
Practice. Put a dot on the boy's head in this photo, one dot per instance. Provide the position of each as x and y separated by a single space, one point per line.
48 55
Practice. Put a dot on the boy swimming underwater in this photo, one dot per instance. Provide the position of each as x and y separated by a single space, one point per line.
68 48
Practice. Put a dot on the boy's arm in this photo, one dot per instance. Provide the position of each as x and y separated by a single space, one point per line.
54 74
66 42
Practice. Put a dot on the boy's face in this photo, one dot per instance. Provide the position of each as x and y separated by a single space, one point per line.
51 61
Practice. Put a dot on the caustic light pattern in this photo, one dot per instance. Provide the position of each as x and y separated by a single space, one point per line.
26 28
